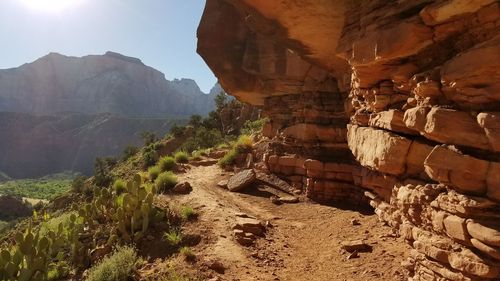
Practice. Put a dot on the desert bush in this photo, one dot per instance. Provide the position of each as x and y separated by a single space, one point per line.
165 181
251 127
173 237
129 151
117 267
202 138
188 253
228 158
244 144
166 163
78 184
188 213
153 172
150 155
181 157
148 138
119 186
102 171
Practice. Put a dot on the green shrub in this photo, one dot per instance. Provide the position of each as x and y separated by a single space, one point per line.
228 158
251 127
78 184
244 144
102 171
165 181
202 138
188 213
196 155
153 172
181 157
150 155
129 151
119 186
117 267
166 163
173 237
187 253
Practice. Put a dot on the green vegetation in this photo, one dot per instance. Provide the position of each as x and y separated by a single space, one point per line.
181 157
117 267
167 163
153 172
150 155
46 188
202 138
173 237
102 171
119 186
251 127
242 145
165 181
188 253
188 213
129 151
78 184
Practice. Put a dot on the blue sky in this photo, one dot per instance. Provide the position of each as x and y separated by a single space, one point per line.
162 33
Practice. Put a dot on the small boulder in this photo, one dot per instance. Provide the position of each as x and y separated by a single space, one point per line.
216 266
222 183
241 180
356 245
182 188
249 225
289 199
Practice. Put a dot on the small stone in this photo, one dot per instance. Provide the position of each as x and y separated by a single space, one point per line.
275 200
250 225
355 222
222 183
182 188
289 199
356 245
353 255
216 266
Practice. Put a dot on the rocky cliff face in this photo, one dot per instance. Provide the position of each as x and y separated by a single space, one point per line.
110 83
394 103
60 113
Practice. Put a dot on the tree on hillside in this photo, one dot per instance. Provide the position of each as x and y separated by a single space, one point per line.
221 100
195 120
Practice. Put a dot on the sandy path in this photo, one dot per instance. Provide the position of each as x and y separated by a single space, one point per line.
302 244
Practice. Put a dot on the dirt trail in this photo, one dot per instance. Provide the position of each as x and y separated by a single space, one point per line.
302 243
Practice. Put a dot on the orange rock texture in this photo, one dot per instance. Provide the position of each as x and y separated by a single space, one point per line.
391 103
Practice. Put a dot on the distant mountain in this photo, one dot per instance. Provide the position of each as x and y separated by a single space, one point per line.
59 113
109 83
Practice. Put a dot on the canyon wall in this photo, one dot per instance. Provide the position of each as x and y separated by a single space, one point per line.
391 103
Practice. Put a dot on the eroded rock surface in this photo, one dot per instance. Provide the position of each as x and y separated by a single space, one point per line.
394 103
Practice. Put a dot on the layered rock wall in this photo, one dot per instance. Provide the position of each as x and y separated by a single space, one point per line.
393 102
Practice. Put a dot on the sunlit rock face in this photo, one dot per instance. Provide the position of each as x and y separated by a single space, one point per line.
392 102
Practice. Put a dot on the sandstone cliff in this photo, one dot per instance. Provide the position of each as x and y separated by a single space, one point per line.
395 103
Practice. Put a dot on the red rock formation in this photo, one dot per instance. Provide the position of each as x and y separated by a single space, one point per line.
395 102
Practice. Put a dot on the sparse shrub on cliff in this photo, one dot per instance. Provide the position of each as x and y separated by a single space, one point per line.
228 158
153 172
181 157
78 184
119 186
129 151
165 181
102 171
150 155
242 145
188 213
118 267
166 163
202 138
173 237
251 127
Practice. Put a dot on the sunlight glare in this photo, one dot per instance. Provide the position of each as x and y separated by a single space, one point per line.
50 6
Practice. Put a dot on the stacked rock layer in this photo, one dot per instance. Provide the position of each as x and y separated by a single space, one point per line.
395 103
